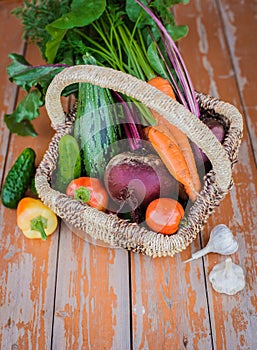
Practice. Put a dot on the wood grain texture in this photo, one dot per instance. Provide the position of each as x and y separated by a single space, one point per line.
8 91
239 19
68 294
92 307
169 307
27 269
233 319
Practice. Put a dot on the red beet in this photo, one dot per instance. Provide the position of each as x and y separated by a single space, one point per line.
134 179
219 131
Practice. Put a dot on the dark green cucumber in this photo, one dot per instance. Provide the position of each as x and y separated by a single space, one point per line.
18 178
69 162
97 128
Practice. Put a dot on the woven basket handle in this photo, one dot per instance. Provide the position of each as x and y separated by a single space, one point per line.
173 111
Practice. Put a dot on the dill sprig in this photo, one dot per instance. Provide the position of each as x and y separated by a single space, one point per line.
36 14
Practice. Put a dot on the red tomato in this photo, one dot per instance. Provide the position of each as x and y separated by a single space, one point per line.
88 190
164 214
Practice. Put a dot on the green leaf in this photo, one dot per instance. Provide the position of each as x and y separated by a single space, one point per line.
24 75
28 109
83 12
177 32
52 45
133 11
163 10
24 128
155 60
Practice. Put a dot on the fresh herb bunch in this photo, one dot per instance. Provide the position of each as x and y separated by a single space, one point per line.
117 34
36 15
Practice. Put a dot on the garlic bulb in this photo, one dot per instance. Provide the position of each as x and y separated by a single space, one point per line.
227 277
221 241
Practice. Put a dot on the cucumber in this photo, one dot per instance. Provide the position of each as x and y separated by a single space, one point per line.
18 178
69 162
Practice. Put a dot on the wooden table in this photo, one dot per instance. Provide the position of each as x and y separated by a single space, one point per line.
67 294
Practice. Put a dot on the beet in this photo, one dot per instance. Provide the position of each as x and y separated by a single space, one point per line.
218 130
134 179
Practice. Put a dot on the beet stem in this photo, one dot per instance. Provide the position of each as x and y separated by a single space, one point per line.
133 134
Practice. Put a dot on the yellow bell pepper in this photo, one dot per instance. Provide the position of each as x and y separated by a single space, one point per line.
35 219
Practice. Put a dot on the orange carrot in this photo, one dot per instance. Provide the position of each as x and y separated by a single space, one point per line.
163 130
172 157
162 85
181 139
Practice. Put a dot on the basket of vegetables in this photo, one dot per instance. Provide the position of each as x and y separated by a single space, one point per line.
155 238
141 160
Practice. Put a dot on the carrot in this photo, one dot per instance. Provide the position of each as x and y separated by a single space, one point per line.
162 85
172 157
181 139
163 129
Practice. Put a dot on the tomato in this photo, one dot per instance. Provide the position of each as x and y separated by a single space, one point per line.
163 215
88 190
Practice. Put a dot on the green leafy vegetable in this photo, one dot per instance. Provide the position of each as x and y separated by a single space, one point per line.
83 12
134 12
155 61
26 76
35 15
118 34
177 32
28 109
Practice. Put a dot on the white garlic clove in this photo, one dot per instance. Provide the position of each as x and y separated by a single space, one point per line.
221 241
227 277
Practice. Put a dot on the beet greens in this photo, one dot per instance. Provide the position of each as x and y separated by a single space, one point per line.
117 34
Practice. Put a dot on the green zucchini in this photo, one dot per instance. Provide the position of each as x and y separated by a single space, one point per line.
97 128
69 162
18 178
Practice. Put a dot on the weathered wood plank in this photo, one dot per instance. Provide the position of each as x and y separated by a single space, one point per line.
27 267
169 307
240 25
92 308
27 277
233 318
8 91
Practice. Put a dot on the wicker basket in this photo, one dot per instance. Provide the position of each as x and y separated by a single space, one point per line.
108 228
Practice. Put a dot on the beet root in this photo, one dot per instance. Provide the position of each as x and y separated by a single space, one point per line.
218 130
134 179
